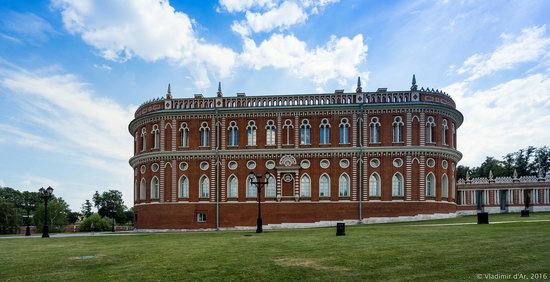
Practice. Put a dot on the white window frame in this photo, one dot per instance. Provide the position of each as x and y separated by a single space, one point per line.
155 188
232 187
184 129
251 129
397 127
270 133
344 187
374 130
397 185
344 131
305 186
183 187
324 132
374 185
321 188
204 187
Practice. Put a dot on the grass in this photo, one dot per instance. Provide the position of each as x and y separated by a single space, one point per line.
397 251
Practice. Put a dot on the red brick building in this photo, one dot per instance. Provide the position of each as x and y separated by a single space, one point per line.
332 157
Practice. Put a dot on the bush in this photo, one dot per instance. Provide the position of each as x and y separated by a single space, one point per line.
99 223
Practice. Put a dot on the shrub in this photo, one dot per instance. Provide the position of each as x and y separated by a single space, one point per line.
99 224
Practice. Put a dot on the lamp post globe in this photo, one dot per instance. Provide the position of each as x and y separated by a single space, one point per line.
46 194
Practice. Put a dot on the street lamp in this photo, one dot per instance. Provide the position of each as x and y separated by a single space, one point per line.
259 184
28 206
46 194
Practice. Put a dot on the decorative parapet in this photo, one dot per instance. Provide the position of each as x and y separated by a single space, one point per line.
506 179
337 98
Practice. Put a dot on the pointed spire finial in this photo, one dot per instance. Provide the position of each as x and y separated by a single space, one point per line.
414 87
541 174
467 175
515 175
359 89
169 92
490 174
220 94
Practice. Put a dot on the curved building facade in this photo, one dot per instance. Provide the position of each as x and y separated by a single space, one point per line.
331 157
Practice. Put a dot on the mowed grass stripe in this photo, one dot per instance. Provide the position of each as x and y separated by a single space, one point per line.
394 251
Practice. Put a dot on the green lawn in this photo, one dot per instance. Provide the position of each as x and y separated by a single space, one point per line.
367 252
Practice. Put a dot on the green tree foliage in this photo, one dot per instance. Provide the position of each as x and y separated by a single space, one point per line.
87 208
58 210
526 161
110 204
95 222
10 218
73 217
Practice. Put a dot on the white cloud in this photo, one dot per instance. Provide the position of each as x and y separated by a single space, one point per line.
282 17
149 29
504 118
242 5
339 59
530 46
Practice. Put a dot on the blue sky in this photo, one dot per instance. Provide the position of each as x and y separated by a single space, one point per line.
73 72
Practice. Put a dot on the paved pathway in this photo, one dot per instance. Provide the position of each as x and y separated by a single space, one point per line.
469 223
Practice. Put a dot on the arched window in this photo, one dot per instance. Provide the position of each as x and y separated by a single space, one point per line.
430 185
374 127
397 185
233 185
143 139
397 126
324 132
444 186
136 191
305 132
142 189
324 186
374 185
251 130
453 136
430 130
205 134
343 185
360 131
154 188
155 133
288 127
233 134
453 187
305 186
444 129
271 190
270 131
184 187
184 131
204 187
251 190
344 131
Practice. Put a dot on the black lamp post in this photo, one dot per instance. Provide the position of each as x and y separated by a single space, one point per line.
46 194
113 210
28 207
259 184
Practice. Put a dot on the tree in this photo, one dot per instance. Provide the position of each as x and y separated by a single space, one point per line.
94 222
73 217
87 208
110 204
58 210
9 217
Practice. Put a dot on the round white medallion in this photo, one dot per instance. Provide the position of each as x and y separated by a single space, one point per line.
232 165
374 163
304 164
204 165
324 163
155 167
397 162
430 162
142 169
444 164
251 164
183 166
344 163
270 164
